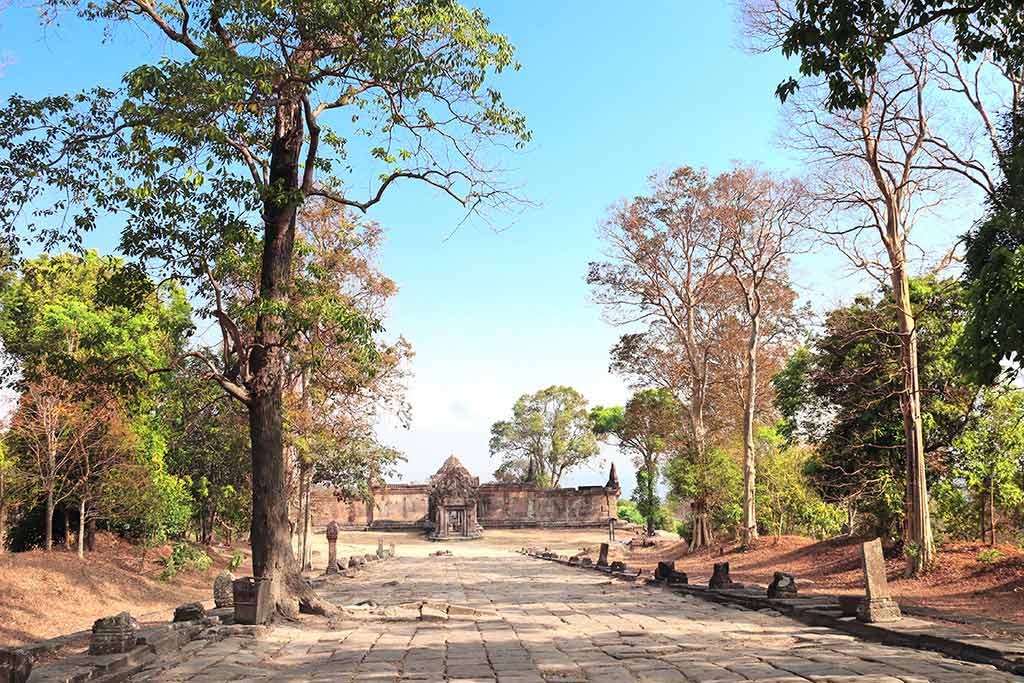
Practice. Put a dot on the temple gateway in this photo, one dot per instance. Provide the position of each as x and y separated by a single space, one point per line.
454 505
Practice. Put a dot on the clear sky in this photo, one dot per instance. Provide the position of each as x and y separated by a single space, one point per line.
613 91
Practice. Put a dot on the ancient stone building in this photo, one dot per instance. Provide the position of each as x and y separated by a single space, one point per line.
455 505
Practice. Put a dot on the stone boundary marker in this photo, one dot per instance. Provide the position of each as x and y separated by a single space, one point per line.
824 610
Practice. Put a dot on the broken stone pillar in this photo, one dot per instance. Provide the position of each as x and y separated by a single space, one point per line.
223 592
191 611
602 557
380 548
678 578
15 665
113 635
783 585
878 605
720 577
665 570
391 551
332 547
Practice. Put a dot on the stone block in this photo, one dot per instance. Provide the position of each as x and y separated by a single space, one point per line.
664 570
191 611
678 578
617 566
878 605
783 585
586 562
720 577
15 665
113 635
223 593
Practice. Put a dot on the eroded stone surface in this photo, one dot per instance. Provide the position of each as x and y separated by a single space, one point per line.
540 622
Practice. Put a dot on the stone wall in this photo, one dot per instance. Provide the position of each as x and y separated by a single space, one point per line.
406 506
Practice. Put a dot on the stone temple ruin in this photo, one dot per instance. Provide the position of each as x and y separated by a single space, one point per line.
454 505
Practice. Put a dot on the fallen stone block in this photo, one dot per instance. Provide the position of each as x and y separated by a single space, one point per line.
190 611
15 665
113 635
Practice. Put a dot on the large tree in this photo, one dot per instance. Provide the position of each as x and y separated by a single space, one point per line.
256 108
549 434
764 219
844 396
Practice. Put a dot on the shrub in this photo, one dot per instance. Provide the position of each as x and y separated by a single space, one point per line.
184 557
236 561
989 555
628 512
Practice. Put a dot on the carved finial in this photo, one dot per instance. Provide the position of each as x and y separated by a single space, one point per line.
613 479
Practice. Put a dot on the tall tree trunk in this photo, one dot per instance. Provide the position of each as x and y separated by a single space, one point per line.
991 512
749 462
918 524
270 540
48 527
81 529
652 507
701 533
67 525
90 535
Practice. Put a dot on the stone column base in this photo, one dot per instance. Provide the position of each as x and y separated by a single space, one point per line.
878 610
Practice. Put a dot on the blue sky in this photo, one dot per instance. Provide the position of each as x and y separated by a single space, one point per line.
612 91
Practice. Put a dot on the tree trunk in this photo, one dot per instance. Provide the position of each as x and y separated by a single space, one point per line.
851 517
67 525
652 508
918 530
90 535
48 528
272 555
81 529
3 527
991 512
749 532
700 536
307 552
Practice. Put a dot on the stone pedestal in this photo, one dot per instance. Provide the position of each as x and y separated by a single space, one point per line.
877 605
380 549
332 547
783 585
720 576
602 557
223 593
15 665
665 570
113 635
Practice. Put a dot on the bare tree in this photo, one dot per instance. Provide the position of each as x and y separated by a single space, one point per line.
763 219
667 268
59 429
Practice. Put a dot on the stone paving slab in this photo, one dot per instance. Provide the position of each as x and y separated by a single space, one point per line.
541 622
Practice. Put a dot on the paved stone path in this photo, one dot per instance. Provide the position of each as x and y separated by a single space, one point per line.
553 624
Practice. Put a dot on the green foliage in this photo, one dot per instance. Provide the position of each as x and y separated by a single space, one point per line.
71 316
786 501
628 511
718 481
236 561
994 273
842 396
989 555
185 558
843 42
986 463
550 433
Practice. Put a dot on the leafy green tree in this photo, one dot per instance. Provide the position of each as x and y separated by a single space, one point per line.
221 142
15 487
844 42
717 481
786 500
550 433
627 510
843 396
648 429
987 460
83 317
994 263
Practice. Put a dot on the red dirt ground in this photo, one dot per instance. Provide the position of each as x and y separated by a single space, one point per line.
43 595
960 584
